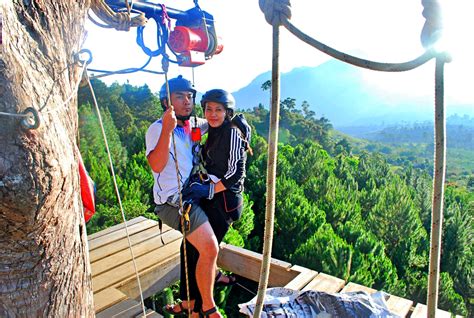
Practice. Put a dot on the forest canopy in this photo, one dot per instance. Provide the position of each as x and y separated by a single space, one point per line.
341 208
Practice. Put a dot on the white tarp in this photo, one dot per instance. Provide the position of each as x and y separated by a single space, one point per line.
282 302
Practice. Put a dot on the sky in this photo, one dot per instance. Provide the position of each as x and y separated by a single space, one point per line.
379 30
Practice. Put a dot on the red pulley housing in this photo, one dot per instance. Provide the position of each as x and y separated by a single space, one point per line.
184 39
194 45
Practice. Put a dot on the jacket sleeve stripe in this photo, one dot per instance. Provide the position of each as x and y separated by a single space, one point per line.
235 154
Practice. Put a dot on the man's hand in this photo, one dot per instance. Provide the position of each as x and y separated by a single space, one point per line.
158 158
169 120
197 190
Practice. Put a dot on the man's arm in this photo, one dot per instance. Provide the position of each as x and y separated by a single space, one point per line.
158 157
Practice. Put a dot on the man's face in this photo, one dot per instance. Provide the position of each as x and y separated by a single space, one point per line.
182 103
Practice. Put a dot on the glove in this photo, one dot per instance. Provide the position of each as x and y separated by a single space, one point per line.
197 190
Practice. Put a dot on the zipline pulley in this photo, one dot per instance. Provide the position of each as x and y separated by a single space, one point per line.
193 39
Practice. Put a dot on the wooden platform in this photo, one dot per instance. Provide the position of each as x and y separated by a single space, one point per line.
114 281
246 263
115 285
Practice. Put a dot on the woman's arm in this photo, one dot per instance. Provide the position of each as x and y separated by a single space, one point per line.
236 163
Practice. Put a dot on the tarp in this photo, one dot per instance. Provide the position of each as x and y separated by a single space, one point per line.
282 302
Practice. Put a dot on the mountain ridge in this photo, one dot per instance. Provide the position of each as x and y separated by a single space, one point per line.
339 92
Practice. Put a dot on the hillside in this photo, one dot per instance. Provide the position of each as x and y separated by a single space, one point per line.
341 93
350 215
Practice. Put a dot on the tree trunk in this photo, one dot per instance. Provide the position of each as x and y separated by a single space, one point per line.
44 262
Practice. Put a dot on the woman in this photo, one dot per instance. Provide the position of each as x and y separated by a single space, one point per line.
224 156
218 188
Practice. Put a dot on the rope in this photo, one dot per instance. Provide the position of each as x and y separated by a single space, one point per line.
121 21
271 173
117 192
125 70
14 115
277 12
372 65
30 115
165 65
438 187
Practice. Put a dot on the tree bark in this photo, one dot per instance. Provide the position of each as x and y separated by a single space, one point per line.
44 262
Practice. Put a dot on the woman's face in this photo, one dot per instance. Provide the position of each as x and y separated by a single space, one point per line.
215 114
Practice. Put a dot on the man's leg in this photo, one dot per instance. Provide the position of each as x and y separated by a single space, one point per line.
204 240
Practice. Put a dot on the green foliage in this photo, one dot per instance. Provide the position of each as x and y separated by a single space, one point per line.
448 298
241 229
326 252
296 218
92 141
340 207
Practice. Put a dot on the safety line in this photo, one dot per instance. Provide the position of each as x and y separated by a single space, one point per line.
178 177
71 95
117 191
64 103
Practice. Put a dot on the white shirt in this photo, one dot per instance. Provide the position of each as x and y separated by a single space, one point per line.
166 182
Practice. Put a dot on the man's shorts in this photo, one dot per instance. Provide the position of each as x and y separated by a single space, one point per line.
170 216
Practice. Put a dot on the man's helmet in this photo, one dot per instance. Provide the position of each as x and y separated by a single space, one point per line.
219 96
177 84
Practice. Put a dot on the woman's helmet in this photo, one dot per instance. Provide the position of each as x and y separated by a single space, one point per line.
177 84
219 96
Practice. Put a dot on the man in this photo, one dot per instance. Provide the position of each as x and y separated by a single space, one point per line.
161 158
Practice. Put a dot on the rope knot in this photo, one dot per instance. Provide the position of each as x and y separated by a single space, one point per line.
121 21
276 11
433 27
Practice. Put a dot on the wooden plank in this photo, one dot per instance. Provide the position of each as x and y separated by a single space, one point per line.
250 254
304 277
326 283
119 234
421 311
395 304
150 314
399 306
126 270
153 279
116 227
107 298
247 264
352 287
122 244
126 309
112 261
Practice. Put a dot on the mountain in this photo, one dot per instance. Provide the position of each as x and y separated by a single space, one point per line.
341 93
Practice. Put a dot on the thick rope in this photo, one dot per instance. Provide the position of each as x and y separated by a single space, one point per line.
438 187
372 65
121 21
278 13
117 192
275 11
271 173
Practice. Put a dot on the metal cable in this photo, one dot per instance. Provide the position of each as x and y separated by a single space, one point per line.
117 192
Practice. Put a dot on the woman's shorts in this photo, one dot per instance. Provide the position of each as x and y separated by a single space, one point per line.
170 216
